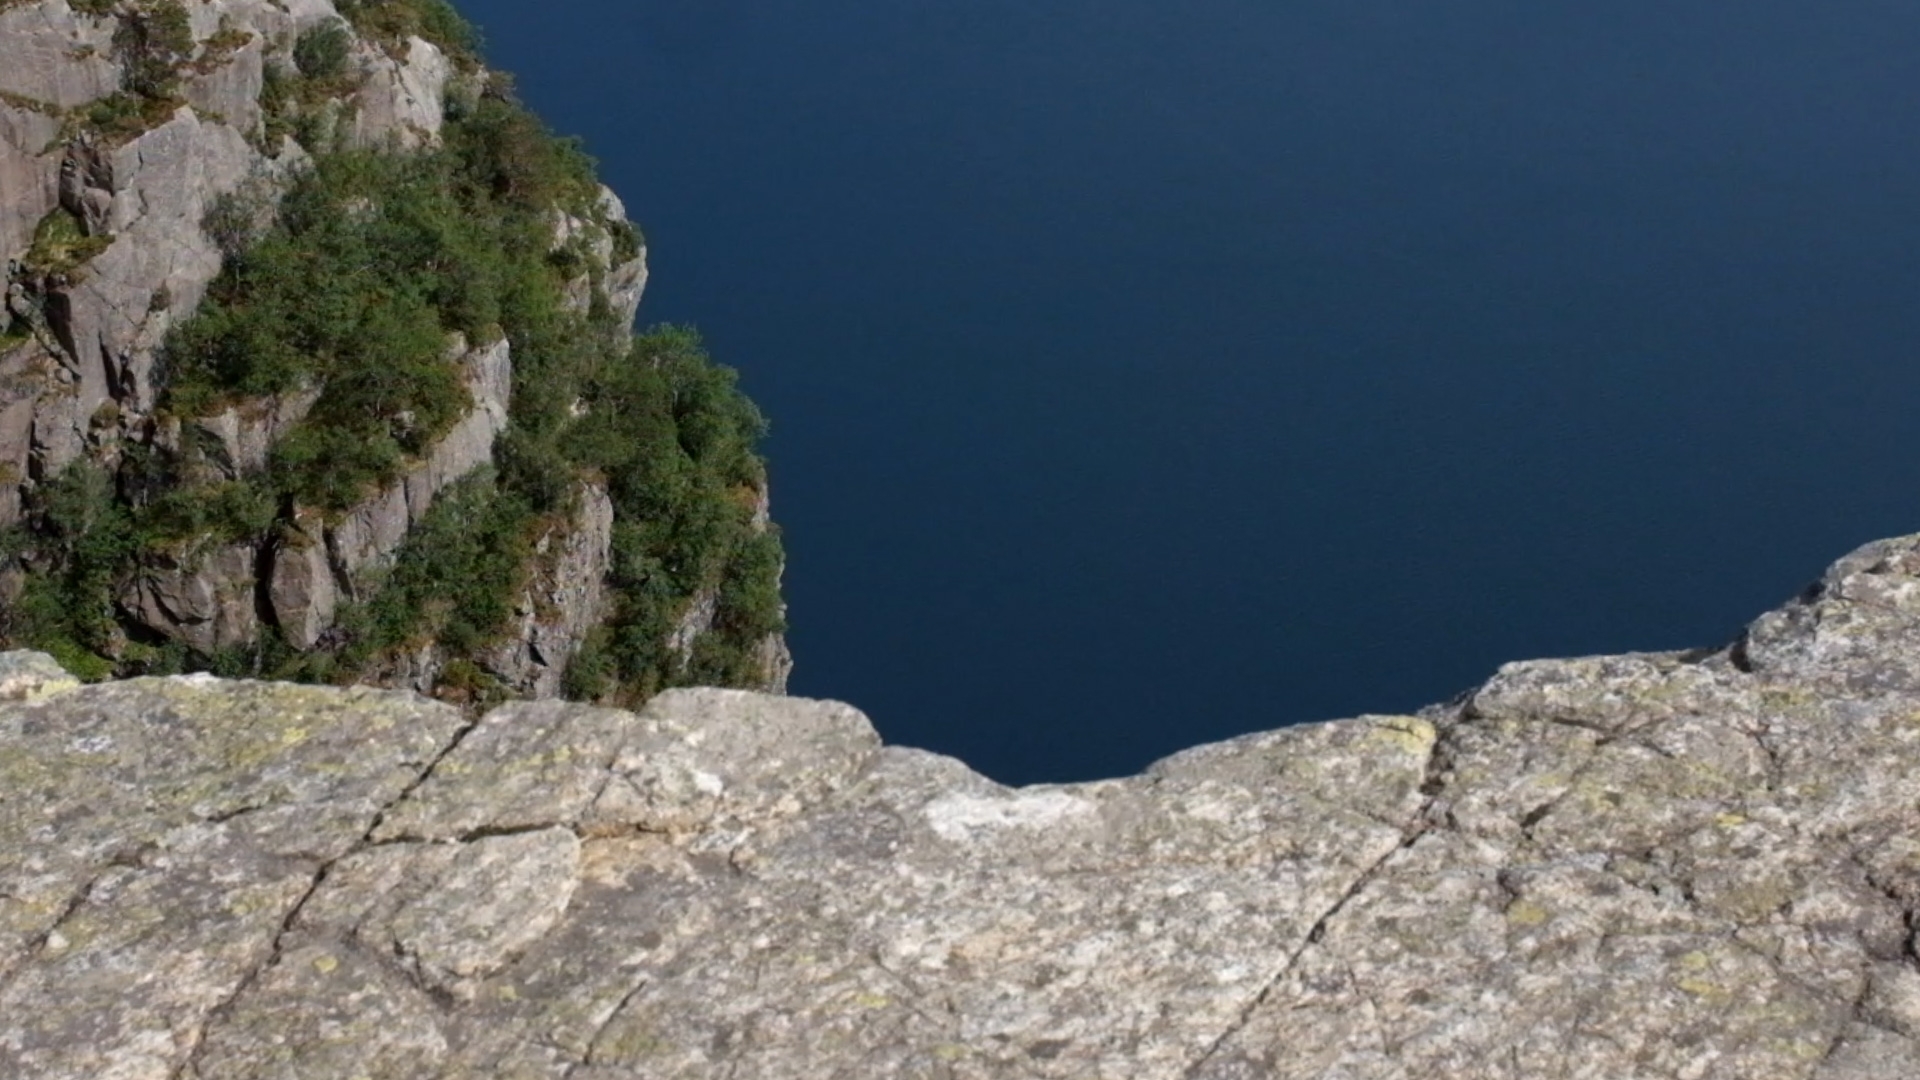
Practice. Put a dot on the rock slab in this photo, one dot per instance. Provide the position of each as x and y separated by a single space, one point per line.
1680 865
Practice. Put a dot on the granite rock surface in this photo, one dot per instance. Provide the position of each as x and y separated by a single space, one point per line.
1682 866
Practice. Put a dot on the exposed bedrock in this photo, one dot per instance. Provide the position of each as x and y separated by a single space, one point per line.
1645 866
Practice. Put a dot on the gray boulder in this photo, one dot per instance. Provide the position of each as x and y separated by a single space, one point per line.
626 280
301 587
622 280
1701 865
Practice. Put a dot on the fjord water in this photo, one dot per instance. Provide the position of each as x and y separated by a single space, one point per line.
1143 374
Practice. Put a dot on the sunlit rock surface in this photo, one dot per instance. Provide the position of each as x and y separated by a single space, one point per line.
1663 866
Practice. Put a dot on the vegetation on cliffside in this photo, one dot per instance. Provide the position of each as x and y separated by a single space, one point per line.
349 284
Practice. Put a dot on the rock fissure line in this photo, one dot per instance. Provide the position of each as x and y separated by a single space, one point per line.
277 948
1313 937
225 816
1532 818
600 1029
1857 1013
1439 766
38 942
914 995
426 773
224 1007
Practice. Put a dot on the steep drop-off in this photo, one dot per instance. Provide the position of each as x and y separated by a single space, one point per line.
316 363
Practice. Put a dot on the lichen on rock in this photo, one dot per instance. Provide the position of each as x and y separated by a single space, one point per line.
1646 866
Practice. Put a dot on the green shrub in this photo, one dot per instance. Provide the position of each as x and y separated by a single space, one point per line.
457 575
353 287
152 41
627 241
61 244
392 22
86 541
321 53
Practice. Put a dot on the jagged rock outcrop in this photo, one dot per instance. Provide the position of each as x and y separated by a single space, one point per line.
626 277
1701 865
565 596
143 143
234 442
403 103
363 540
204 598
144 197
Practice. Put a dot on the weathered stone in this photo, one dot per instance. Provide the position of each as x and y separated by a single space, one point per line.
565 596
28 676
403 100
57 55
228 86
621 282
774 660
301 587
28 179
238 439
204 599
155 836
695 620
1647 866
362 543
626 281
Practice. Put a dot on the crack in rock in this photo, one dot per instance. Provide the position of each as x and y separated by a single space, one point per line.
1437 771
190 1067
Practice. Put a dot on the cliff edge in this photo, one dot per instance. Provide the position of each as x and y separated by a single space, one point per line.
1697 866
317 362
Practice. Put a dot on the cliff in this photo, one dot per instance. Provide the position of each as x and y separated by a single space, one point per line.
317 362
1699 865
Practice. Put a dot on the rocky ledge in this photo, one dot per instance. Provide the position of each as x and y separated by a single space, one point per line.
1700 865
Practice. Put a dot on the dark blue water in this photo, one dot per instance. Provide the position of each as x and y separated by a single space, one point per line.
1147 373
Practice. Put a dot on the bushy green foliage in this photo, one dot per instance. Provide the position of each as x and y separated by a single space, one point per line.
85 539
61 244
392 22
321 52
373 261
309 99
457 575
354 289
674 438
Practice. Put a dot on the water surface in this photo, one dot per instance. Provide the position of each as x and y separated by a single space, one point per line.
1144 374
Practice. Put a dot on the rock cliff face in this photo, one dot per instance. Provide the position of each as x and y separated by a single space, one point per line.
1700 865
129 135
